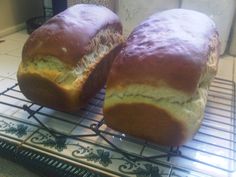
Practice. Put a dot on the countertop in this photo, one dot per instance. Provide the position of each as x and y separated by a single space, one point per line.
10 52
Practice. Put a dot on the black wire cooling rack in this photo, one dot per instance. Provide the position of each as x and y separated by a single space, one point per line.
83 140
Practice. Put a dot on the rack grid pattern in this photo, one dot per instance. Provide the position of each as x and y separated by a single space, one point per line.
84 140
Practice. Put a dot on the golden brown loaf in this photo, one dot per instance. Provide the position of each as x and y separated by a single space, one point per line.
67 60
158 84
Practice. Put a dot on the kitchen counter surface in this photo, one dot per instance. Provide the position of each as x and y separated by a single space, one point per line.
10 56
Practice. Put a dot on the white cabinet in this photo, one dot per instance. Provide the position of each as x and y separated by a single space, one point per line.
107 3
232 48
132 12
221 11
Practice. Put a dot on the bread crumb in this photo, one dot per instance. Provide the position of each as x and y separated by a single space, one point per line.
64 49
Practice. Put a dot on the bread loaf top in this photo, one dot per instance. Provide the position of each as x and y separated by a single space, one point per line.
171 48
68 35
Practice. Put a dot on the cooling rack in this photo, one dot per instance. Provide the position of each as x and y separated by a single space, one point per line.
82 145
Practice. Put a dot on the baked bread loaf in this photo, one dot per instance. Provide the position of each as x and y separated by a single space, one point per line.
66 61
158 84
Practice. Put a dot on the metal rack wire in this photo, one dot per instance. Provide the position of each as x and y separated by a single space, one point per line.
211 152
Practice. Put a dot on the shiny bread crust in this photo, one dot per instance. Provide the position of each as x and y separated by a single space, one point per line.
171 47
129 119
66 61
46 92
158 84
68 35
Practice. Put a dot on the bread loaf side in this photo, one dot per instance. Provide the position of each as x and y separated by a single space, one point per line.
67 60
157 88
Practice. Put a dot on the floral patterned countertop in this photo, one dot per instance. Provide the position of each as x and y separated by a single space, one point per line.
83 140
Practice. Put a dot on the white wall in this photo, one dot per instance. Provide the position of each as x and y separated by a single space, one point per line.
132 12
221 11
107 3
232 48
14 13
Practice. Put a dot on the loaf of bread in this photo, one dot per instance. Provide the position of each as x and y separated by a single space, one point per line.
67 60
158 84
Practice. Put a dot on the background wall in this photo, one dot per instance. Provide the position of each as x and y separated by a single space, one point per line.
221 11
14 13
232 49
133 12
107 3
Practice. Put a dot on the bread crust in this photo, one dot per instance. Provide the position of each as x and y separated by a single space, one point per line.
157 87
129 118
66 61
47 93
170 48
67 36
